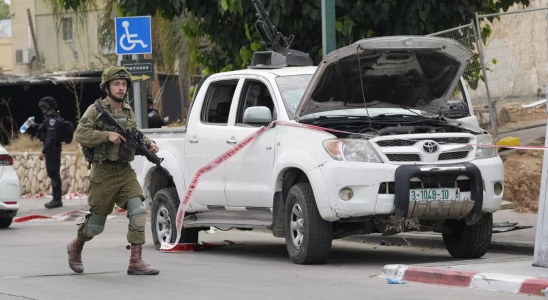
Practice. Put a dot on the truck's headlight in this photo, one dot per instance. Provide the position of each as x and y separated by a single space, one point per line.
486 152
351 150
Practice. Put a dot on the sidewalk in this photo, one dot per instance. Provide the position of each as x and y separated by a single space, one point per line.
517 241
503 275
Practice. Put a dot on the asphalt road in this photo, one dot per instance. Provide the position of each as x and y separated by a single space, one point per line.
33 265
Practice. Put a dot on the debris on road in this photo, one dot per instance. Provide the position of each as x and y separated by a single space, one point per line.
507 226
386 243
535 104
395 281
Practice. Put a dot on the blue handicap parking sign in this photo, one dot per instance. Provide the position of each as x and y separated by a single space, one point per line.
133 35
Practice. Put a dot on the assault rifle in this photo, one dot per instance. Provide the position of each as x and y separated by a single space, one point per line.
134 139
278 54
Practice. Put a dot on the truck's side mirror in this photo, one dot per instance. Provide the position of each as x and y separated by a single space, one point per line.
258 115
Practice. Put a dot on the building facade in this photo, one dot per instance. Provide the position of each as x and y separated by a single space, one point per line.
69 47
6 49
21 39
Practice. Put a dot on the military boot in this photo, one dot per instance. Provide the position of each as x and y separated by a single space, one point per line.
74 250
137 266
54 204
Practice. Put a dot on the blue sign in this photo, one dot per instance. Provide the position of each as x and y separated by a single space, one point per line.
133 35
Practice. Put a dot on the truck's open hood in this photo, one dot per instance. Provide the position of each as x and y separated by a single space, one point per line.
416 72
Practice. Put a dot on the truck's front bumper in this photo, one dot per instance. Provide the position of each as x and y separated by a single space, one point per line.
380 189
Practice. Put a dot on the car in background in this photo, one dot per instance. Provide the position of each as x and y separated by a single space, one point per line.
9 189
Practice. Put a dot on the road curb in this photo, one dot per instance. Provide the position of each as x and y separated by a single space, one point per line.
437 242
483 281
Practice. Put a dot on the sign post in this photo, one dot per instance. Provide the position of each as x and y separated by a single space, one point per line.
133 36
141 70
540 258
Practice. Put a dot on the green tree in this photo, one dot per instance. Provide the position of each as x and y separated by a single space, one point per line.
229 24
4 9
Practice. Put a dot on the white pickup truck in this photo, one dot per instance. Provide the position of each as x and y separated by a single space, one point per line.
392 154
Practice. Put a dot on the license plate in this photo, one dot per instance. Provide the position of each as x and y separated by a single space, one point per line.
433 194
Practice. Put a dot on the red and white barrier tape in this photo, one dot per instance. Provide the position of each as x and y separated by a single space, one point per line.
75 195
234 150
194 246
67 196
59 217
483 146
194 183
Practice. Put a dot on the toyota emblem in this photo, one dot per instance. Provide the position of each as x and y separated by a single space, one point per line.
430 147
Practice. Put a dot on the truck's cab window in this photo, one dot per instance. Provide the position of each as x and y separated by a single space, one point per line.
254 93
217 103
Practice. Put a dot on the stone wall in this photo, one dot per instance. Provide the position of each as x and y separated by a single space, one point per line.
33 177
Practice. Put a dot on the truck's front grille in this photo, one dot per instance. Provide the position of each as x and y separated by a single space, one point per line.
403 143
453 155
395 143
452 140
403 157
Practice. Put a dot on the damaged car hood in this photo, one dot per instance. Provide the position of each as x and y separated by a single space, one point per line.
404 71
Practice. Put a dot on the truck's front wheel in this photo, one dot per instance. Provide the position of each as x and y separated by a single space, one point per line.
469 241
164 209
308 237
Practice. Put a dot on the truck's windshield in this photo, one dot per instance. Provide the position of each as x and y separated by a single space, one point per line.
292 89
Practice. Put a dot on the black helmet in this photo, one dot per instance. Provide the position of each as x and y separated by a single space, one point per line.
149 99
47 103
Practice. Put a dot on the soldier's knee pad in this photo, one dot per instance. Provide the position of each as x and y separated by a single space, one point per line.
94 225
137 214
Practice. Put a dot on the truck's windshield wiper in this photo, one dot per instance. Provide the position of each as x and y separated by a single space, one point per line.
341 117
398 115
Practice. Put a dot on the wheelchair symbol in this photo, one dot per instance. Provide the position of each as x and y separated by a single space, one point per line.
129 37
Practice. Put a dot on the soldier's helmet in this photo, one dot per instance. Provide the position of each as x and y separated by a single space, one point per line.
114 73
47 103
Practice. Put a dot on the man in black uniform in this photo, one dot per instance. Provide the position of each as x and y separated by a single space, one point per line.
154 119
49 133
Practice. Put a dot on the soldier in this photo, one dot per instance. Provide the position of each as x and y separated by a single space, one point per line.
111 181
154 119
49 133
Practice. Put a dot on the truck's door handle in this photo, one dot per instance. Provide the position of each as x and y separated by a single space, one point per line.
193 141
231 142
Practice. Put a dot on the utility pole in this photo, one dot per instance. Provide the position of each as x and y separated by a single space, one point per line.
38 58
329 41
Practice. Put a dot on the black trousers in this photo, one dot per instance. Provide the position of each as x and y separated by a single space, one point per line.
53 165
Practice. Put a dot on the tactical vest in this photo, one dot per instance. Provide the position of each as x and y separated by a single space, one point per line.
108 150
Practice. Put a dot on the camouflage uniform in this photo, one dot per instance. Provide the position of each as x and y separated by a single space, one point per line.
112 181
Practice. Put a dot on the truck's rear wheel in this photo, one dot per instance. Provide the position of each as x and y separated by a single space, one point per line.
164 209
5 222
308 237
469 241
